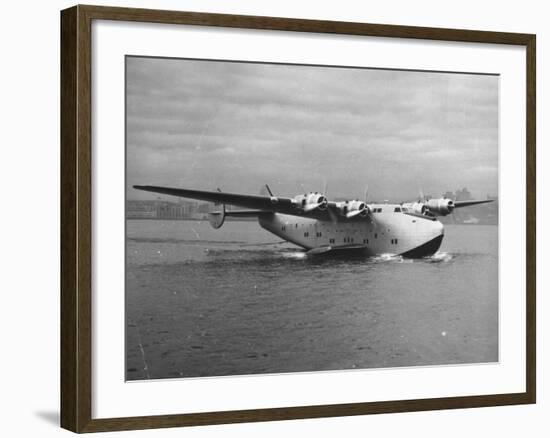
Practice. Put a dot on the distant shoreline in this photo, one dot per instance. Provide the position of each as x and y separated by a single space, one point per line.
254 220
232 219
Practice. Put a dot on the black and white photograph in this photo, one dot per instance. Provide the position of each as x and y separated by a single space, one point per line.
274 219
285 218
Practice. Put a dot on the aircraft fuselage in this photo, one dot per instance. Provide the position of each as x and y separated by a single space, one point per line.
388 230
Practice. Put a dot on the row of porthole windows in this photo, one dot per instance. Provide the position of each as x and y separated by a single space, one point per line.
346 239
350 239
318 234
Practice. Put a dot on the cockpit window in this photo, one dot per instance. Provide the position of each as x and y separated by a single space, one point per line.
397 210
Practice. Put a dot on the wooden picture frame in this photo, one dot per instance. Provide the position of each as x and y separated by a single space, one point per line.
76 217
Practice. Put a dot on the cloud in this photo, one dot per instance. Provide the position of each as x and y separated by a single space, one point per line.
239 125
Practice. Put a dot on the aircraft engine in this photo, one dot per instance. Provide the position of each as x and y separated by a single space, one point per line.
440 206
312 201
416 207
354 208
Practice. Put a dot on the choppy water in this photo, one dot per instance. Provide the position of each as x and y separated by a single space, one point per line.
204 302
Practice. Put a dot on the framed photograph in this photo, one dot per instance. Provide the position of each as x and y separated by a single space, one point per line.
270 218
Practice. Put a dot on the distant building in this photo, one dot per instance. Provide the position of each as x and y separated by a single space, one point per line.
141 209
160 209
463 195
204 208
460 195
170 210
485 214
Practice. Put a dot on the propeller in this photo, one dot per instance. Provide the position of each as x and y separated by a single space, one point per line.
331 213
366 203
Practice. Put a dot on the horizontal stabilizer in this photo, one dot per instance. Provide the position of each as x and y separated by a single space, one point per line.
217 218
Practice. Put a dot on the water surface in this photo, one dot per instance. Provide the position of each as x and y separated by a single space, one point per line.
204 302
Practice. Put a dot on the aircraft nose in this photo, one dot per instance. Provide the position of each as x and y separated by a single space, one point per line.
439 229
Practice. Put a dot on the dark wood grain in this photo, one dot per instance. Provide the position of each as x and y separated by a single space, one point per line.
76 250
300 25
76 219
69 329
303 412
531 218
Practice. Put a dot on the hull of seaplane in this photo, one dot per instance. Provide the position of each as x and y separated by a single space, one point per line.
382 233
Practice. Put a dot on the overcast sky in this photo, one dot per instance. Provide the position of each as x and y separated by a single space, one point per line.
237 126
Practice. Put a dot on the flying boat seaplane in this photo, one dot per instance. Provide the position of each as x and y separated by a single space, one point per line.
311 221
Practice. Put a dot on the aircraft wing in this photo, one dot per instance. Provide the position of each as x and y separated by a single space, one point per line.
459 204
272 204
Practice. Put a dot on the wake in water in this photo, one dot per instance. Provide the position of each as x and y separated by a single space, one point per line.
275 250
388 257
293 254
440 257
